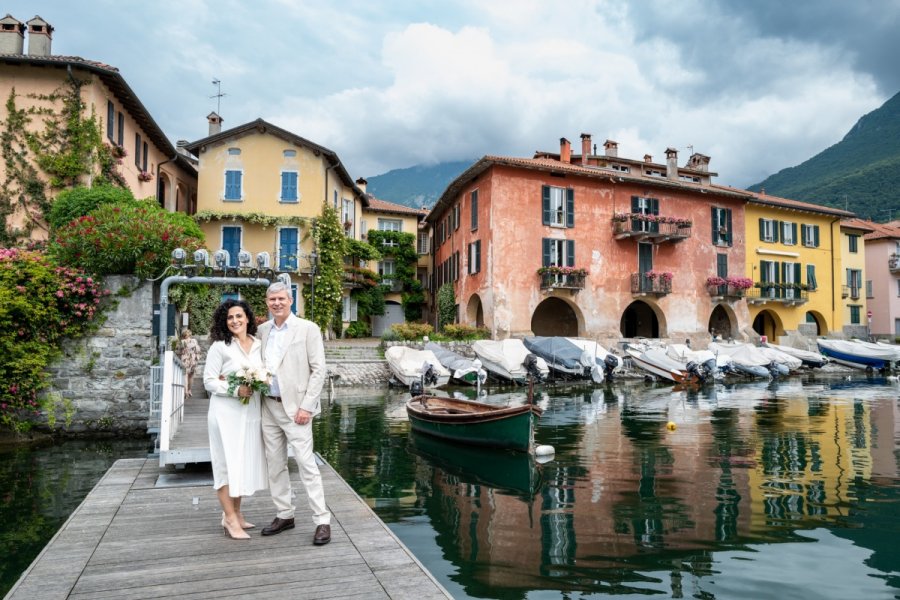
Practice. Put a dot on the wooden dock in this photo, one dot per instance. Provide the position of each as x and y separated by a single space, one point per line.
147 532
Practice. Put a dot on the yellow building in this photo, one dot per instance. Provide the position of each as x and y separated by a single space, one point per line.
260 190
149 165
793 253
852 279
389 216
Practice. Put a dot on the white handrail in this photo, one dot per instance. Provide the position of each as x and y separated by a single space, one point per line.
172 409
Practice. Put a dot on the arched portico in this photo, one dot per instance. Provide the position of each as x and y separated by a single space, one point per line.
768 323
555 316
723 322
641 319
815 318
475 311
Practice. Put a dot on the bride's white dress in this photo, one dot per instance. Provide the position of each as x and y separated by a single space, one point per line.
235 429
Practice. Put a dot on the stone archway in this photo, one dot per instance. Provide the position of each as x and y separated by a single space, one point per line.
641 320
475 311
554 316
722 322
768 324
814 319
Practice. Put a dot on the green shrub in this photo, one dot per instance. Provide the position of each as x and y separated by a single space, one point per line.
80 201
465 332
412 331
446 305
129 239
358 329
39 305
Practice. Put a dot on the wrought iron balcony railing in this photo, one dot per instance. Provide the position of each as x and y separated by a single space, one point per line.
565 281
777 293
641 284
651 231
726 291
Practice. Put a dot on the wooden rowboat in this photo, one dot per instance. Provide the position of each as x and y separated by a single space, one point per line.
474 423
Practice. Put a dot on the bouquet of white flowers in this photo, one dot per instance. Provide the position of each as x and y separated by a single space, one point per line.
256 379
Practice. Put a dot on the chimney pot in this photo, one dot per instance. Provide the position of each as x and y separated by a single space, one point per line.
612 148
361 183
12 35
672 164
40 36
648 158
585 147
565 150
215 123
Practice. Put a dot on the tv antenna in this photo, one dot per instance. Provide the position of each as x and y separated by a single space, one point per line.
690 148
218 95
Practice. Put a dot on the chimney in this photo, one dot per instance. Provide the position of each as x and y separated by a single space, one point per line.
672 164
648 158
699 162
12 35
40 34
585 147
180 147
612 148
565 150
215 123
361 184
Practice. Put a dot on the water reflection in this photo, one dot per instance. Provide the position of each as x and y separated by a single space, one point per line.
749 473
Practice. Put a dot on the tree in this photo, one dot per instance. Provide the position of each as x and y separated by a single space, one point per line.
446 305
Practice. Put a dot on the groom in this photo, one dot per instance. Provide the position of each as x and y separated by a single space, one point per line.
293 352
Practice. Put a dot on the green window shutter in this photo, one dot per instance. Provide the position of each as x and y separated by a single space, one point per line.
654 210
545 244
764 270
796 272
635 204
545 198
803 235
475 209
570 207
776 231
570 253
794 233
762 229
478 256
729 237
722 265
816 236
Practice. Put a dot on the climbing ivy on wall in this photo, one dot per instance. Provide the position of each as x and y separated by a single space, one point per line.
330 244
402 248
66 150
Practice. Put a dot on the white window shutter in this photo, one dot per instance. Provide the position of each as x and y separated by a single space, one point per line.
354 305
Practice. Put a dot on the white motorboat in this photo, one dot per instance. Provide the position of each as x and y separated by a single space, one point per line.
565 359
654 360
605 364
858 354
510 360
462 370
706 364
410 366
809 358
790 362
747 359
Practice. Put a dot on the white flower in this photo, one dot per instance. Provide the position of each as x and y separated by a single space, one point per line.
261 375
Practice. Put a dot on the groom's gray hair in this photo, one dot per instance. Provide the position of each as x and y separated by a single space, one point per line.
276 287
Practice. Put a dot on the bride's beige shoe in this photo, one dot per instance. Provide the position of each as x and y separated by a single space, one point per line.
244 524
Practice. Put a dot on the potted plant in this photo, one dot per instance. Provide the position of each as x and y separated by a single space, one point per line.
144 176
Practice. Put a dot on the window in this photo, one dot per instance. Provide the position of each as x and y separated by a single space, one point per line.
390 225
790 273
811 282
558 253
233 184
644 206
810 236
854 281
386 270
721 226
788 233
558 206
289 186
335 200
869 292
854 314
144 158
722 265
110 121
120 134
234 151
231 241
422 246
347 216
294 308
853 243
767 230
768 273
287 248
137 150
621 168
456 209
349 310
475 257
290 153
474 206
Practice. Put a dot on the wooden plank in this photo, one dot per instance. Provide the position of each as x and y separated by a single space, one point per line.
130 539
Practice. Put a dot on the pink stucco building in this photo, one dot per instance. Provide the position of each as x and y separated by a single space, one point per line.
592 245
883 278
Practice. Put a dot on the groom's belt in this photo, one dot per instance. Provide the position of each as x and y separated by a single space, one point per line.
275 398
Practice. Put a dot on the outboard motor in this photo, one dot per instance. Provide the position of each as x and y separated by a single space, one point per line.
610 363
776 370
711 368
694 369
416 389
531 366
429 374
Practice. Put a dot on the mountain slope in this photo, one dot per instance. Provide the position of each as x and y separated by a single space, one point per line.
860 173
418 186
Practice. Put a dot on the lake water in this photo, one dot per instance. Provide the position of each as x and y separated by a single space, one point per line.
784 490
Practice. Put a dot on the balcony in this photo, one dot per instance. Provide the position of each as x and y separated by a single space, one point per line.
778 292
658 284
894 263
562 281
726 292
650 228
355 277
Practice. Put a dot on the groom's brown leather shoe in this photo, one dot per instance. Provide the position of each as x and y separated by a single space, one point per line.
323 535
277 526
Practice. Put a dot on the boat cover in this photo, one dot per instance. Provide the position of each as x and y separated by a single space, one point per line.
409 361
459 365
804 355
557 351
597 351
864 349
791 362
741 354
508 354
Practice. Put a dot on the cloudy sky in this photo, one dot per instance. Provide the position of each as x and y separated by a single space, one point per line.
758 86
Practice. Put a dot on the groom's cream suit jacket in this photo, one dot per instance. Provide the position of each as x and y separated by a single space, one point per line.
301 372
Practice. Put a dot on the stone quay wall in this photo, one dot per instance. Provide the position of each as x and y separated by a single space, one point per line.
102 382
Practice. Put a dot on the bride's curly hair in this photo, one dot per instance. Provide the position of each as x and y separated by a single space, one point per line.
219 331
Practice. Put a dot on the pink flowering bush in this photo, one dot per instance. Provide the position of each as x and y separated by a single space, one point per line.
739 283
40 304
716 281
664 276
677 221
554 270
129 239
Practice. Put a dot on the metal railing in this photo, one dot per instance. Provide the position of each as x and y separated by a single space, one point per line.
642 284
777 294
726 291
659 232
566 281
167 401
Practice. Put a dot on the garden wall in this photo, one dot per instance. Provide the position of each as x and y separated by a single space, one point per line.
102 382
